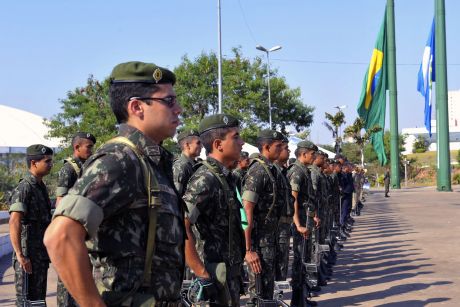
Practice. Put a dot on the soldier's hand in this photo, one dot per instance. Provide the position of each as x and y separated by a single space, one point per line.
25 263
317 221
254 262
303 231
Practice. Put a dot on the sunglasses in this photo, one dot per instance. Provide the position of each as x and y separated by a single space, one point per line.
168 100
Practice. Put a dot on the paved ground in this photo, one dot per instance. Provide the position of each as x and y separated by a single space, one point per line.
403 252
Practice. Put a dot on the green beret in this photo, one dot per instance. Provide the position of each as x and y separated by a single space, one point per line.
186 133
270 135
85 135
139 72
322 153
308 145
217 121
244 154
38 150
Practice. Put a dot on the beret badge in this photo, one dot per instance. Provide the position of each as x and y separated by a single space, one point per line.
225 120
157 75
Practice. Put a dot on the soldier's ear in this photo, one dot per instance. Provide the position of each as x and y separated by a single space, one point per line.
217 144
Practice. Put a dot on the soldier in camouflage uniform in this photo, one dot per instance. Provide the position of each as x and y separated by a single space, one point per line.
82 144
304 203
190 145
215 211
110 208
263 208
240 171
30 210
284 226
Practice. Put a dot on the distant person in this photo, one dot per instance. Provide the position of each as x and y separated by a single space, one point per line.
30 215
240 171
386 181
82 145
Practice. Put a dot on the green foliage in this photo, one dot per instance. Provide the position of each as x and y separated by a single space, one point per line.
12 168
85 108
245 94
458 156
420 145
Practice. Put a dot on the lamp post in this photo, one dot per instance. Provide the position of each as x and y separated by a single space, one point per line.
267 51
219 60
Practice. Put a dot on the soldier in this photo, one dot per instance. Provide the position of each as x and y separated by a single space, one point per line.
30 210
190 145
241 169
263 208
386 181
304 203
82 144
347 193
214 209
284 226
125 205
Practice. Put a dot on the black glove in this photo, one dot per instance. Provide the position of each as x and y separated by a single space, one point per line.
202 290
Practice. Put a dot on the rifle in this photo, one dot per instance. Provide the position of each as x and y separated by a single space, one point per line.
278 295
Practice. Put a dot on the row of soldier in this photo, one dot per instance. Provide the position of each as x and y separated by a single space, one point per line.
126 224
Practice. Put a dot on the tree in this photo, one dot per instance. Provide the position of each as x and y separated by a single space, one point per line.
86 108
420 144
245 94
354 131
335 121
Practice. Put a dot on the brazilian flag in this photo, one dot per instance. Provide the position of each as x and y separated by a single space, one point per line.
372 103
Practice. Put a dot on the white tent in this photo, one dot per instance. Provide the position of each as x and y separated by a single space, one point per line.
20 129
293 141
246 147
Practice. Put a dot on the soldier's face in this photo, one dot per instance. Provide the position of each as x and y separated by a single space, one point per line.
160 119
84 149
43 166
274 150
195 147
284 155
244 163
232 144
310 156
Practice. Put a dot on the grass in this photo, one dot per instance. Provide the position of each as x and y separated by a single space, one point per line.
429 158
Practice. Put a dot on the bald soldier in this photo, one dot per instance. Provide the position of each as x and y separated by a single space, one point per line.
125 206
30 214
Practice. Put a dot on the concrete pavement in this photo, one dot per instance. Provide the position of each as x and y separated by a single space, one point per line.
402 252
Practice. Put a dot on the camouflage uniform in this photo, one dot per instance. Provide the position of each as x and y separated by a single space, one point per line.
182 171
284 226
31 198
209 209
300 179
110 201
258 189
67 177
238 176
318 183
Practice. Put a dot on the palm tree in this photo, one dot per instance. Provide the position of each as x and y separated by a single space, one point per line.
335 121
354 131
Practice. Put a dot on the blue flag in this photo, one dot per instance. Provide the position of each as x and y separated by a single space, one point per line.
426 75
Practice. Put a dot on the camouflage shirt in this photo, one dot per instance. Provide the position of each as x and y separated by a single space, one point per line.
182 171
31 198
209 210
300 179
110 201
67 176
258 189
238 176
286 191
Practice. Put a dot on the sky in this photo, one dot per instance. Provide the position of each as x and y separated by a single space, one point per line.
50 47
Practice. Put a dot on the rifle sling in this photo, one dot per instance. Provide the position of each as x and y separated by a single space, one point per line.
273 181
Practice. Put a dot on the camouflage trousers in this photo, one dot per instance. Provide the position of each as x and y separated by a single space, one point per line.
267 255
297 265
36 282
282 252
234 284
64 299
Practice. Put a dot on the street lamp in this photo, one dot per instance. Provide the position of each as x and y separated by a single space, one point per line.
267 51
